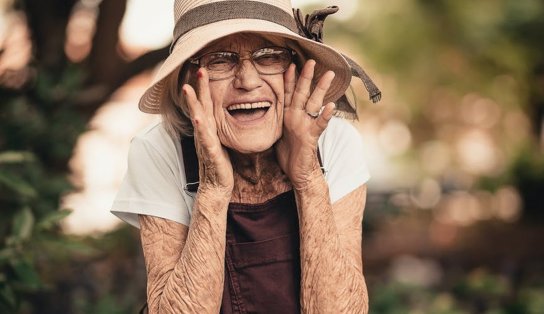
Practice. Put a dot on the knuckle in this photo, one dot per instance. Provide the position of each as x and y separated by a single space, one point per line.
322 123
289 89
302 93
312 103
322 88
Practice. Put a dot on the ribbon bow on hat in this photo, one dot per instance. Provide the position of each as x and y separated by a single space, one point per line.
311 27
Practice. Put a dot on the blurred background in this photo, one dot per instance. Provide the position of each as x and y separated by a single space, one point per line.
454 220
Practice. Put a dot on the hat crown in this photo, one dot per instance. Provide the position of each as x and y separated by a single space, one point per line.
183 6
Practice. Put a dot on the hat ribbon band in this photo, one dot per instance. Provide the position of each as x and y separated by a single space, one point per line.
228 10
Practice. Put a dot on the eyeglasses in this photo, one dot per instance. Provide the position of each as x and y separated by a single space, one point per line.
267 61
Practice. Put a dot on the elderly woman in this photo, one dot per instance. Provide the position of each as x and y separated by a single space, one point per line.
249 195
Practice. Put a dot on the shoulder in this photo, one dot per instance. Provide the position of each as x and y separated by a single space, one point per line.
340 131
154 156
154 183
342 153
154 142
339 140
155 135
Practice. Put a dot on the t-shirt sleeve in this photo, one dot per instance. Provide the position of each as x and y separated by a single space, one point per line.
342 153
151 185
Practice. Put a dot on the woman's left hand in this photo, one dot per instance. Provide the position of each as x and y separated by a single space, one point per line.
297 148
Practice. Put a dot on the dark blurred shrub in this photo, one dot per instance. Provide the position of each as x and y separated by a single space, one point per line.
477 291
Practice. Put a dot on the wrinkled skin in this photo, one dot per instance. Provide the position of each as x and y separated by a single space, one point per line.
262 157
297 133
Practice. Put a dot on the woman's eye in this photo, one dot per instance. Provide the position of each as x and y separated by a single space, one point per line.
269 58
219 61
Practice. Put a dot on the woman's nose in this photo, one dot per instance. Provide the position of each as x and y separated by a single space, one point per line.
247 77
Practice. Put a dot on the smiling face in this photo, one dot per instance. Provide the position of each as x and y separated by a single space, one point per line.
248 108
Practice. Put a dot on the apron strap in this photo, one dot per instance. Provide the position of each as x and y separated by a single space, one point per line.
190 163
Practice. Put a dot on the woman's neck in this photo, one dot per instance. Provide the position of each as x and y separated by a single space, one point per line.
257 177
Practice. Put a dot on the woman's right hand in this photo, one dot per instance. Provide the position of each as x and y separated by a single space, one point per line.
216 172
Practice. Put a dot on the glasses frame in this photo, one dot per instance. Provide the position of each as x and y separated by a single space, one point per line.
196 60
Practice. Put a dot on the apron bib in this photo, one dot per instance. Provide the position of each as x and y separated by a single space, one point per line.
262 255
262 258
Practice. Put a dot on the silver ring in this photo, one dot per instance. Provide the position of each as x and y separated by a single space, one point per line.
313 115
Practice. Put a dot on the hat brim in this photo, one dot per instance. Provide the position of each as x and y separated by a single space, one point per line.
195 40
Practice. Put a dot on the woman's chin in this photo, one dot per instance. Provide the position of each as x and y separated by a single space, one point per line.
251 149
252 144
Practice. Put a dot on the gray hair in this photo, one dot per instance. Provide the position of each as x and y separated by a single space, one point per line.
174 109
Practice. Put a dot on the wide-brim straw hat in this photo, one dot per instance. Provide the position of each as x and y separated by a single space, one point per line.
200 22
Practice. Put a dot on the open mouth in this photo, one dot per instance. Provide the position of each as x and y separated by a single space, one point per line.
248 111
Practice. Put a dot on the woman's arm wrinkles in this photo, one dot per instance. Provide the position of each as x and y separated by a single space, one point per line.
331 253
185 265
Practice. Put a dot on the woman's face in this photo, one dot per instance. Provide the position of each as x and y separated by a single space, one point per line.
239 128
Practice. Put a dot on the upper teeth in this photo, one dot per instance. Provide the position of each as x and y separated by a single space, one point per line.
254 105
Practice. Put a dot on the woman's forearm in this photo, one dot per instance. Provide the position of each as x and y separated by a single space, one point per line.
332 280
193 281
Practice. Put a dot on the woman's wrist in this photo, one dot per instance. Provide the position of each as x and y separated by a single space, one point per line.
213 197
313 179
215 190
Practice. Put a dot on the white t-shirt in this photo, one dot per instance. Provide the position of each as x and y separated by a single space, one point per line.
155 180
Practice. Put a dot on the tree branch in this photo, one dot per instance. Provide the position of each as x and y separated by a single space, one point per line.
104 60
47 22
94 95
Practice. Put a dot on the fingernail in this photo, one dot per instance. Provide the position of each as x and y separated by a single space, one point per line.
199 74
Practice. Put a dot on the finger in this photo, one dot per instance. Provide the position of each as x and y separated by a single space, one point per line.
195 108
323 120
302 90
198 116
203 86
289 79
315 102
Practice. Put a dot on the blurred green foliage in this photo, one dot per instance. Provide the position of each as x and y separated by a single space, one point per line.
39 264
38 133
477 291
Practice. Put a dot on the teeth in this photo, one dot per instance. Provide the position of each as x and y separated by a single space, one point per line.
254 105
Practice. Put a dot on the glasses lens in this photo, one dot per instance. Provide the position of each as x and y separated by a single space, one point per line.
272 60
219 64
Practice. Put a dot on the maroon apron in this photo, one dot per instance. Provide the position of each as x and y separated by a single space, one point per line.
262 258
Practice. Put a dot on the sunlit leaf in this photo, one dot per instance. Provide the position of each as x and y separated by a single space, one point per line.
17 185
52 218
66 246
23 223
16 157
